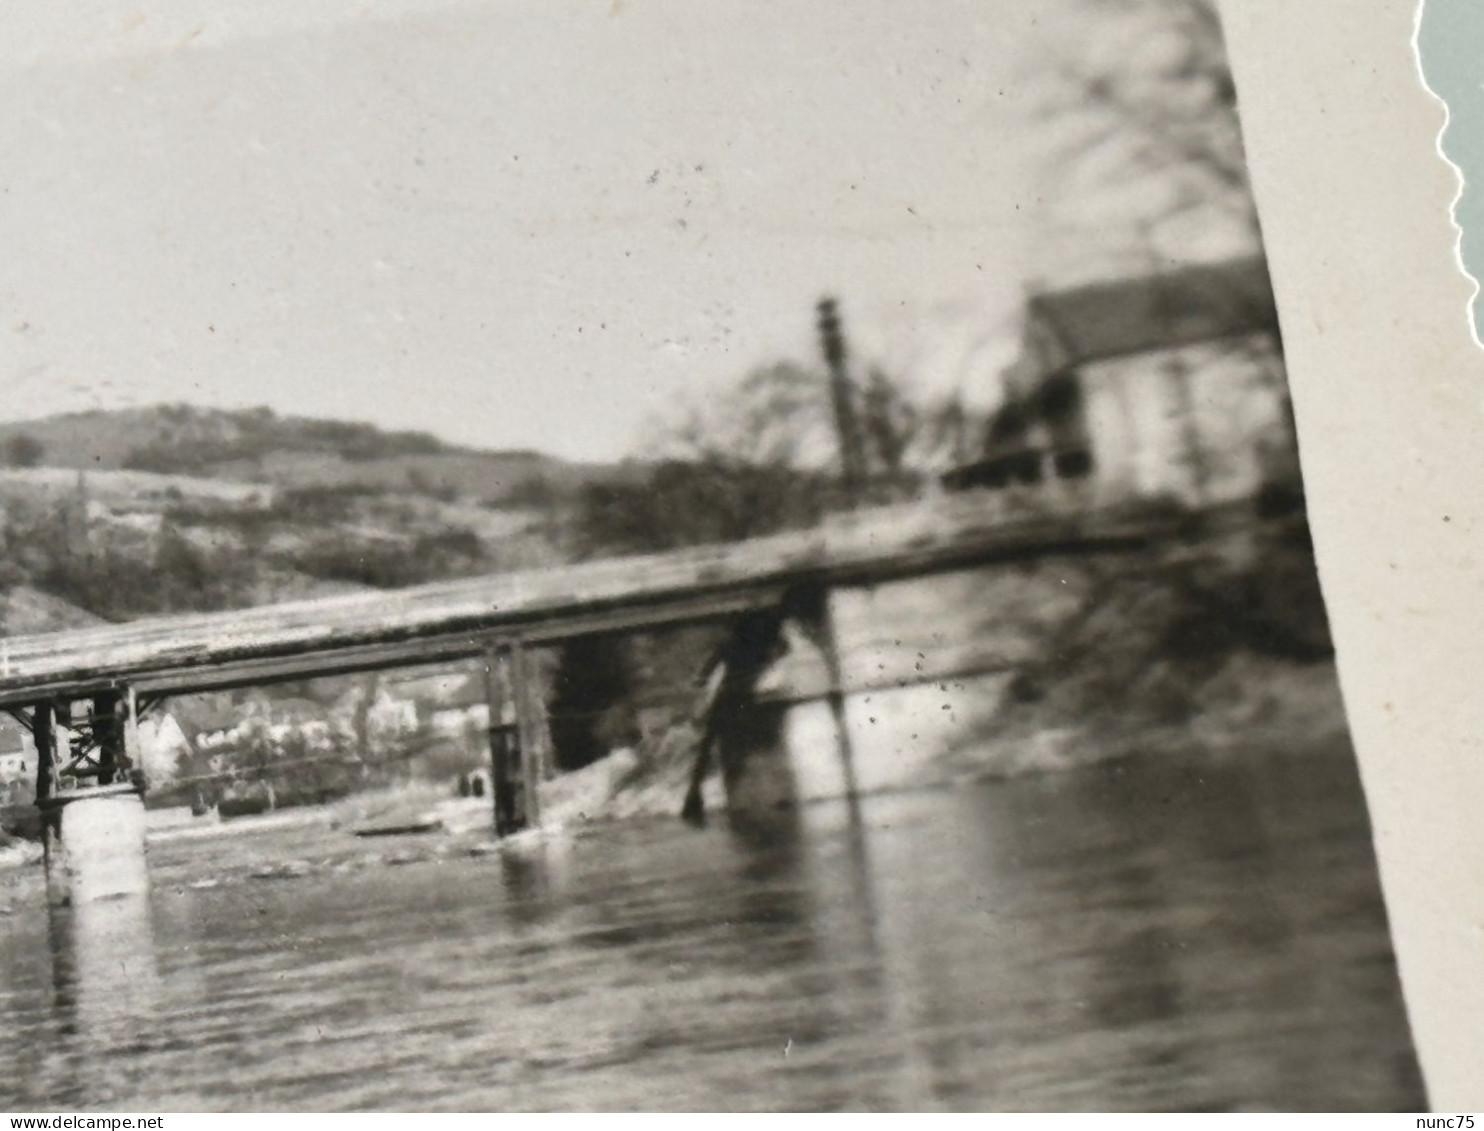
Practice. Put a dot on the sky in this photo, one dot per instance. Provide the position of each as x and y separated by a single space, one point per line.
519 225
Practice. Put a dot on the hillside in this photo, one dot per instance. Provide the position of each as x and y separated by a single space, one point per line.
258 446
114 515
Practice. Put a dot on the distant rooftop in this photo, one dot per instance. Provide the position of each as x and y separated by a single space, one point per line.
1117 317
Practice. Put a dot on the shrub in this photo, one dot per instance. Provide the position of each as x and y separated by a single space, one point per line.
24 450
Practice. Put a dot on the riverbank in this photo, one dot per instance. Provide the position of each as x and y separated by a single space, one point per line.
426 806
1213 649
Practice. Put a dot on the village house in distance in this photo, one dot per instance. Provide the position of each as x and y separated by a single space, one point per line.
249 752
1167 384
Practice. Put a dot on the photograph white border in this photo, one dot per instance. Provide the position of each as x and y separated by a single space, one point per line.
1388 389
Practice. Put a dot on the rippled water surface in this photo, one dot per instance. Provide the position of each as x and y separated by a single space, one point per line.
1136 936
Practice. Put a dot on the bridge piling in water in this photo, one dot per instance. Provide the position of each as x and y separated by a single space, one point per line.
528 717
511 780
92 835
817 620
776 751
44 736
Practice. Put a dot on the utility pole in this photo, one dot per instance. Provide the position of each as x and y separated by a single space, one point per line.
842 392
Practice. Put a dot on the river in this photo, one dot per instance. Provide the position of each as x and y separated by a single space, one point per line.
1134 936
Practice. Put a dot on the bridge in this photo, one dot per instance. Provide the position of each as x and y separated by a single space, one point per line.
81 693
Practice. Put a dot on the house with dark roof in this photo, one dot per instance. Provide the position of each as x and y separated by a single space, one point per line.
1168 384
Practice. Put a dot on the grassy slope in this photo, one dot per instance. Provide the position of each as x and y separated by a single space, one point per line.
254 445
274 508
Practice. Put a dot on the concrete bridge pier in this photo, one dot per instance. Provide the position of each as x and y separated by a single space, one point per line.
91 797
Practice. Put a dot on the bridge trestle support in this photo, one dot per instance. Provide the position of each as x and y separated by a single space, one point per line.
815 616
91 796
778 743
515 726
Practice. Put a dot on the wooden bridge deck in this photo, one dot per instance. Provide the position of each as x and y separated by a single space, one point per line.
450 620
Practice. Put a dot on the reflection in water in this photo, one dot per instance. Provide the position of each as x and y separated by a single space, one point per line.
64 966
106 977
1142 936
526 880
105 987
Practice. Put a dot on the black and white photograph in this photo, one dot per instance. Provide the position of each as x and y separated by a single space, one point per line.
661 555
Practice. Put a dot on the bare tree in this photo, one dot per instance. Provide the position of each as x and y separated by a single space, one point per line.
781 416
761 456
1148 106
1147 96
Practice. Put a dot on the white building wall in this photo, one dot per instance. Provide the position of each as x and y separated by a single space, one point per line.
1112 432
1135 423
1144 413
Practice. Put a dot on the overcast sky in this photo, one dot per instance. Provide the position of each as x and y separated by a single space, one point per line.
514 224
